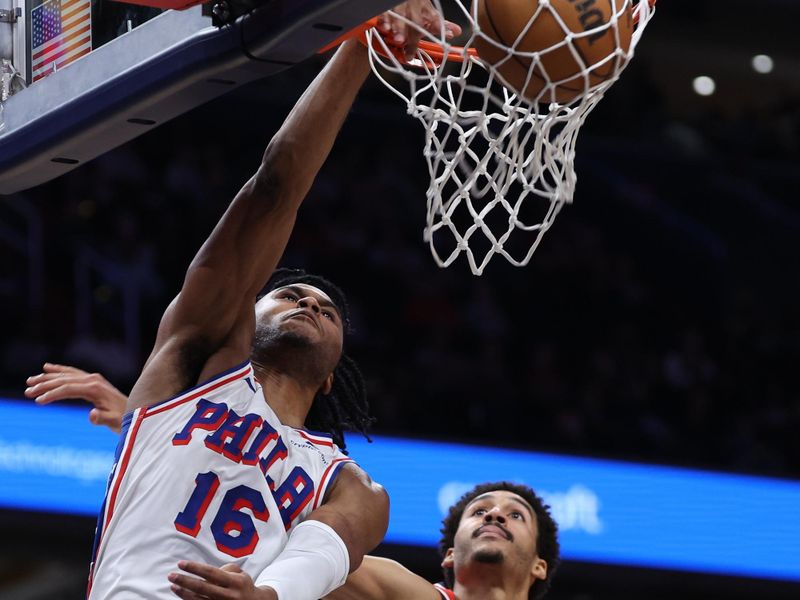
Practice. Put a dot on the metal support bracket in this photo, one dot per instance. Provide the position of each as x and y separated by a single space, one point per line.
10 16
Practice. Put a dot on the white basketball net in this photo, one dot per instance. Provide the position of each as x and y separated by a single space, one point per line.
499 164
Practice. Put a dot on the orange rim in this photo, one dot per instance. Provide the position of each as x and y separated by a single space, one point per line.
431 50
438 55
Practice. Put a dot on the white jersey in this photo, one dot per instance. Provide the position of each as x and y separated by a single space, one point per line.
211 476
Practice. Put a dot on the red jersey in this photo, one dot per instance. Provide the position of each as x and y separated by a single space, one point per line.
446 594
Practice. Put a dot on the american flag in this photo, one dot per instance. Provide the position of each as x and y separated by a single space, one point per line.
61 31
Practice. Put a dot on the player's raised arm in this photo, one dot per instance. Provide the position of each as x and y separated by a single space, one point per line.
209 325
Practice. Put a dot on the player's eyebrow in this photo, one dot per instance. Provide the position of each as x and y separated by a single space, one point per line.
515 498
322 300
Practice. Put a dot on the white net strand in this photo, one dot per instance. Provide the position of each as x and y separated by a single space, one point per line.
500 164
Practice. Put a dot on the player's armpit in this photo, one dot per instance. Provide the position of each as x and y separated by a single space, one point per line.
383 579
356 508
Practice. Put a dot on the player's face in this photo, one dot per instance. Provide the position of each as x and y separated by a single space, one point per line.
301 315
498 528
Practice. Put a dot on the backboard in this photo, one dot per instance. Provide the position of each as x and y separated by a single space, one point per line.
168 65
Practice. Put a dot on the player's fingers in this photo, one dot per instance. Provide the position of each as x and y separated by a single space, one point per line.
30 392
451 29
433 23
430 20
396 32
56 368
413 33
232 568
106 418
35 378
49 391
198 586
207 572
185 594
385 22
42 385
40 377
47 398
55 379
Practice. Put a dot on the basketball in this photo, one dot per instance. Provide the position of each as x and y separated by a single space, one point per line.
507 22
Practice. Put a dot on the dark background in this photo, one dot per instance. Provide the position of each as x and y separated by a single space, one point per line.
657 321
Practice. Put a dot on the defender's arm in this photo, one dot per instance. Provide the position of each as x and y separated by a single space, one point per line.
383 579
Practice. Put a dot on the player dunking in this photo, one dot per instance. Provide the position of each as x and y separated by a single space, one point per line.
223 473
498 541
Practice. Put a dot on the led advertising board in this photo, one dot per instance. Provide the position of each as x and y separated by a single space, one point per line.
53 460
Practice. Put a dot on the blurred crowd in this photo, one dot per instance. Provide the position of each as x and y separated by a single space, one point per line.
657 321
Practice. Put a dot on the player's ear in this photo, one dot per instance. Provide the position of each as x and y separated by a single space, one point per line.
539 569
327 385
447 561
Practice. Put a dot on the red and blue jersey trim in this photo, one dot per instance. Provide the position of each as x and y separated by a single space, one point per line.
447 594
101 517
318 439
130 427
192 393
328 477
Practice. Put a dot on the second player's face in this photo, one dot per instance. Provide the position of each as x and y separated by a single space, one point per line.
498 527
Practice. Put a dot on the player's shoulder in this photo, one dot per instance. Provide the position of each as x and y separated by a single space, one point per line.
354 490
231 388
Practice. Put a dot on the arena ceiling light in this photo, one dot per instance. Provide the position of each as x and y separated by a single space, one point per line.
704 85
762 63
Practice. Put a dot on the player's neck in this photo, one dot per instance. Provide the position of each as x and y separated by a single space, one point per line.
290 400
491 584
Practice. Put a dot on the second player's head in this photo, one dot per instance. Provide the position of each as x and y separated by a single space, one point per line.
301 324
505 526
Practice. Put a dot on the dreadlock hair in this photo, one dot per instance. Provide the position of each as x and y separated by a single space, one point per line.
547 546
346 406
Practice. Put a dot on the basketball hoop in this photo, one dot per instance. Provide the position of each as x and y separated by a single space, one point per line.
500 153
